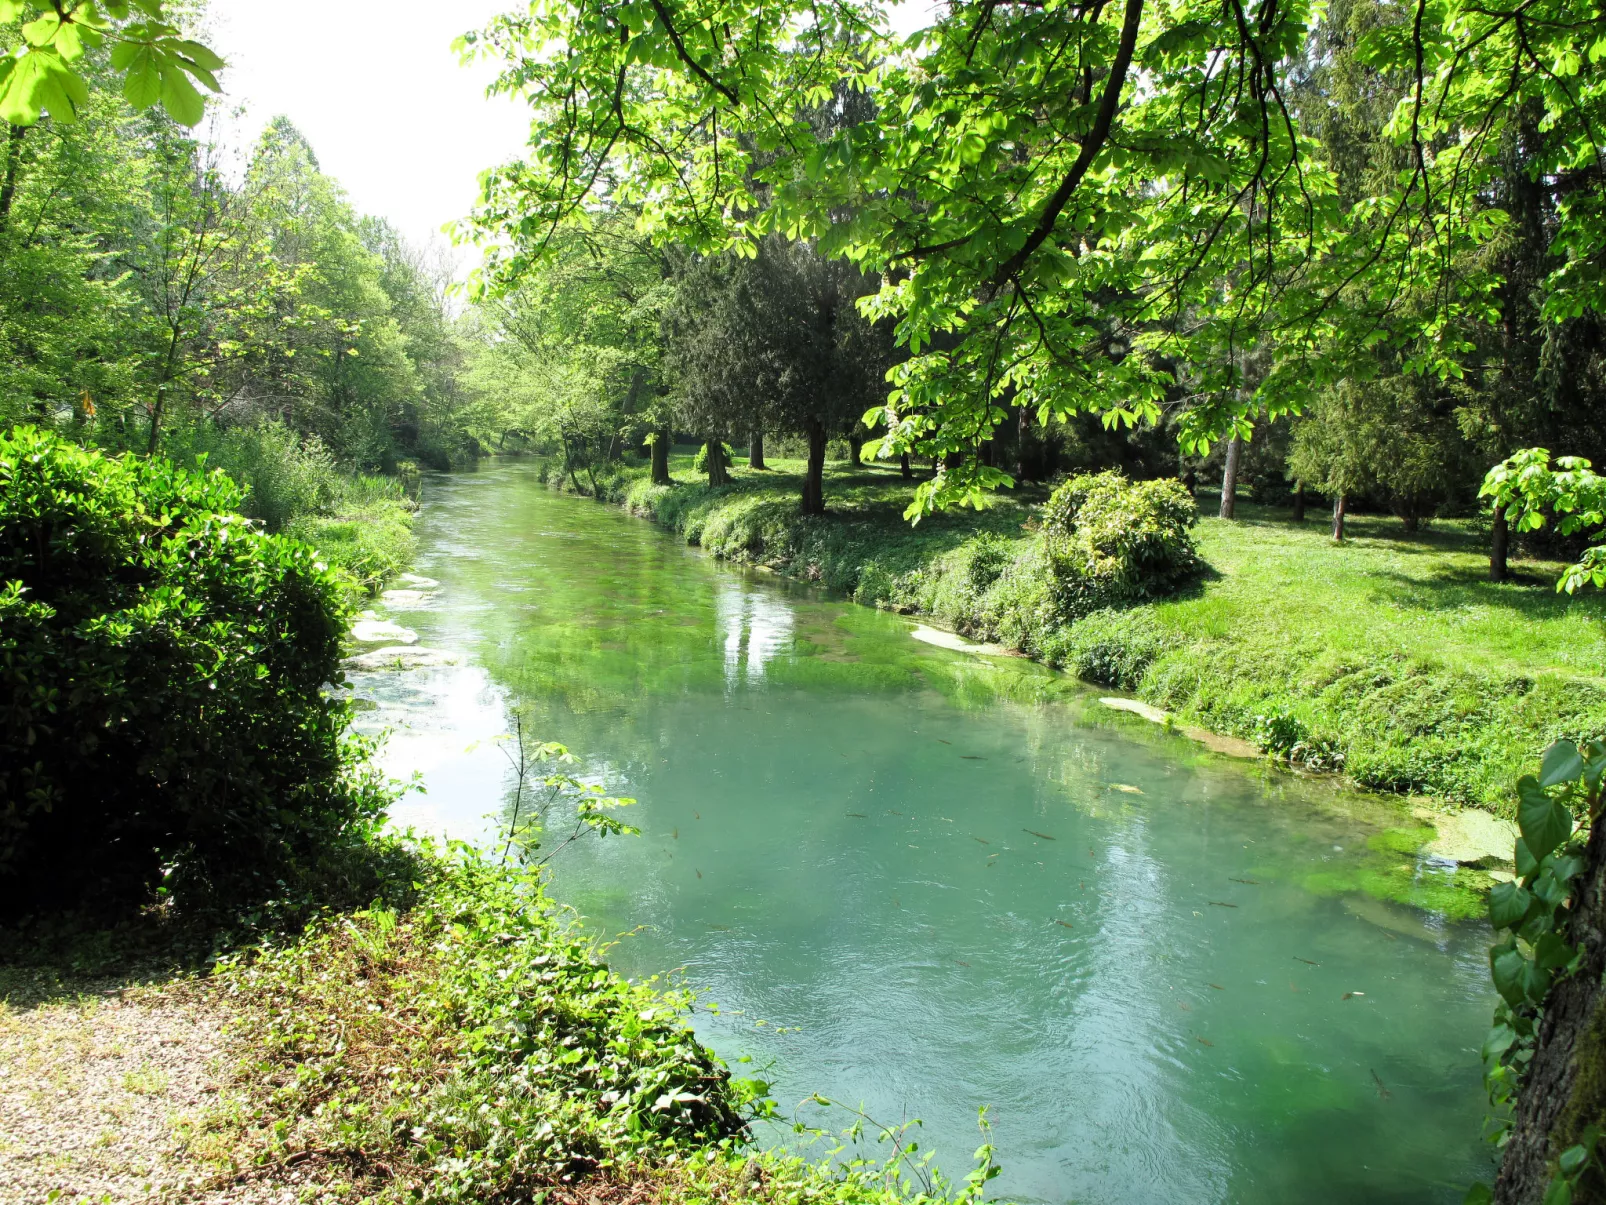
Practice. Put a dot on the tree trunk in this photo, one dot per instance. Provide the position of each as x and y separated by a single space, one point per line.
1499 546
714 462
1022 425
855 449
1299 502
905 468
1229 477
814 476
8 189
755 451
1339 502
987 453
660 456
1564 1088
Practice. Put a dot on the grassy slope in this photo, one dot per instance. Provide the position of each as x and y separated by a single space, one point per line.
1391 656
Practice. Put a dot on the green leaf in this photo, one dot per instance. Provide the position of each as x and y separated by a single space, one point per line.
10 10
1545 823
1551 952
1508 904
179 97
1478 1194
1560 1192
142 85
1508 967
1501 1039
1573 1159
1527 864
1562 763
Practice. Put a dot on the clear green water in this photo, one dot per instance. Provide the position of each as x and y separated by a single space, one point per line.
905 875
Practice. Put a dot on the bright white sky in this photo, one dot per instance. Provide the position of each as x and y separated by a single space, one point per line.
377 90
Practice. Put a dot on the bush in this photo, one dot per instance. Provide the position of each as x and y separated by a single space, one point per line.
1112 541
283 474
1113 648
699 462
162 716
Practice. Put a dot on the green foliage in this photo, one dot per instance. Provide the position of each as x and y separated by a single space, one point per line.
1112 541
488 1051
1555 812
41 75
163 722
699 462
1525 487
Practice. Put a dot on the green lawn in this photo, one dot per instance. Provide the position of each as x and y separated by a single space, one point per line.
1391 656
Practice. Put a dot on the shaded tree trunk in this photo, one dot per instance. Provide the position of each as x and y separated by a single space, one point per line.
8 188
1499 547
660 456
714 462
905 468
855 449
1022 425
755 451
988 453
814 475
1299 502
1564 1088
1339 503
1229 477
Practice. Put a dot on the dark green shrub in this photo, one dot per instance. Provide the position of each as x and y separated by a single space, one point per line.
1112 647
162 715
1112 541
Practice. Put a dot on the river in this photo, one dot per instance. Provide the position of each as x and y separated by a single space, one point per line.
923 881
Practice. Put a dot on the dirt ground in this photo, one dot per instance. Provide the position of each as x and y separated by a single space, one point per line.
95 1087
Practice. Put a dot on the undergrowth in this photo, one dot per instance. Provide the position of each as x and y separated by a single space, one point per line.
1389 658
475 1047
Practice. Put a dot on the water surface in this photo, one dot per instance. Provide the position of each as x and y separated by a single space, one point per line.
925 881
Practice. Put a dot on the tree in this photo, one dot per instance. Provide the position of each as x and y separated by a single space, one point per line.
775 343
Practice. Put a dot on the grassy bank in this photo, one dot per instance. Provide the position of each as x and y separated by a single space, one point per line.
1390 658
462 1043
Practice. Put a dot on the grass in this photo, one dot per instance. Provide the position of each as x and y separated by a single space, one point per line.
1390 657
366 536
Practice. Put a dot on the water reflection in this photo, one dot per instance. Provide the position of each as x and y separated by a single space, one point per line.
753 625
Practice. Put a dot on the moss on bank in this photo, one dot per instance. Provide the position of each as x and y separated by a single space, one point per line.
1391 657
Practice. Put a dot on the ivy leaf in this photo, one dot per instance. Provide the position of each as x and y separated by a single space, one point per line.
1527 864
1560 1192
1501 1039
1507 966
1562 763
1478 1194
1551 952
1545 823
1508 904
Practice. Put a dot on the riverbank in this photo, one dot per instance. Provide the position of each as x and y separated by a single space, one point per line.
467 1044
1389 658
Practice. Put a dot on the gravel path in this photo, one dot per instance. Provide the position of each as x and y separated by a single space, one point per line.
91 1090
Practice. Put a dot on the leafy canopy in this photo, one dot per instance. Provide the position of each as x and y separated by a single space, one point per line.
1070 206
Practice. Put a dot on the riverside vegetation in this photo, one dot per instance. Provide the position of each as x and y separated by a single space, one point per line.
1350 250
1389 658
